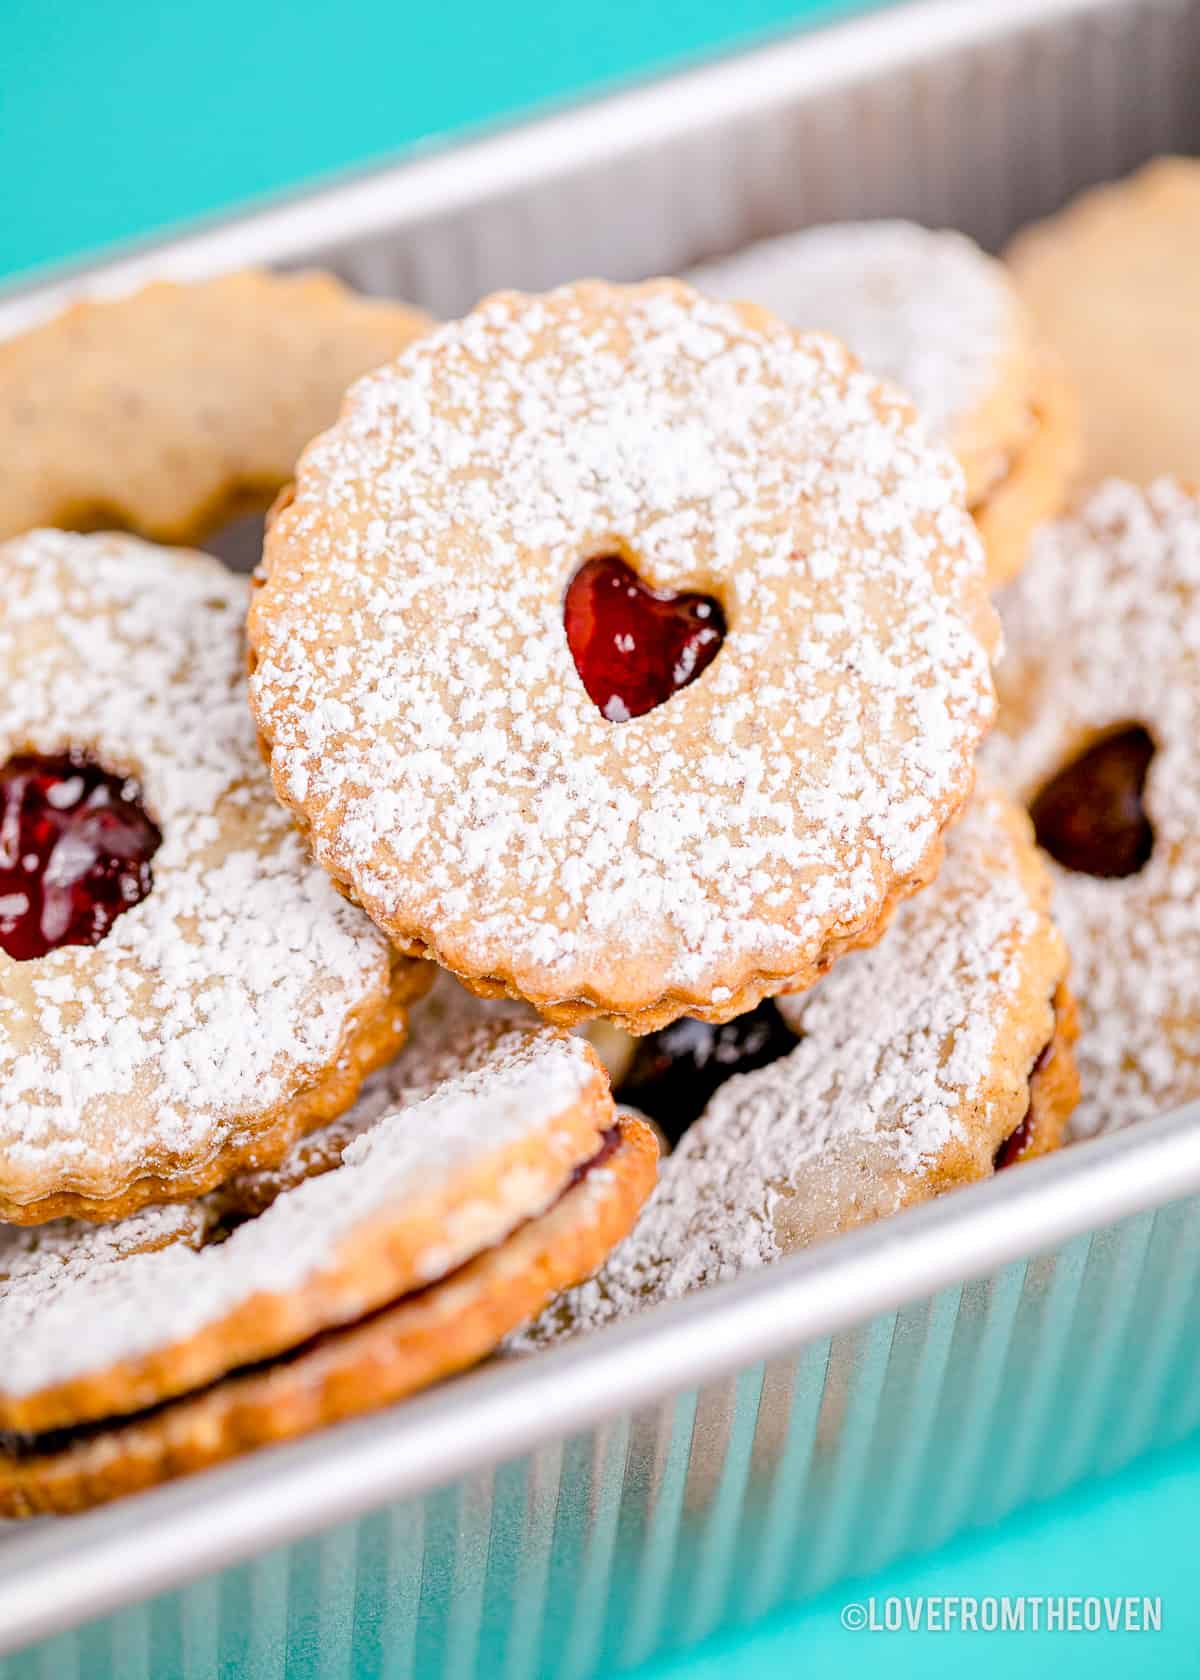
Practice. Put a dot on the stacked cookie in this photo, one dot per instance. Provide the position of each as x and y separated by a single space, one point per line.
647 689
1098 694
1101 706
231 1215
476 1176
619 662
1110 283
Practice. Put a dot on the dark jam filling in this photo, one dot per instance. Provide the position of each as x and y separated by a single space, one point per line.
75 850
1090 817
610 1142
1014 1146
15 1445
635 647
674 1072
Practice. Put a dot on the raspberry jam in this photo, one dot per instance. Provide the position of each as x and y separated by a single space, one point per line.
1090 817
676 1070
1016 1143
75 850
610 1142
635 647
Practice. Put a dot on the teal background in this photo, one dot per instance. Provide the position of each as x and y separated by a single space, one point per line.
1133 1535
121 119
118 117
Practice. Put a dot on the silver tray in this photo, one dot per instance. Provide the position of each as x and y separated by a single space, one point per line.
698 1467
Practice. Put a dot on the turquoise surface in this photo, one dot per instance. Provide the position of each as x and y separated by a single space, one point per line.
118 120
123 118
1130 1535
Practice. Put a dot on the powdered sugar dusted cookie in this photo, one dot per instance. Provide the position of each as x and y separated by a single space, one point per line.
1110 281
1101 715
933 312
417 1340
168 411
417 1180
624 651
436 1219
181 990
922 1064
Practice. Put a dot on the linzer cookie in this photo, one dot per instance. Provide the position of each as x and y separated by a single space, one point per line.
625 652
447 1214
928 1062
169 411
181 990
1110 281
931 311
465 1160
1101 716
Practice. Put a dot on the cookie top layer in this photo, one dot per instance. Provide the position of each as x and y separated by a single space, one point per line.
241 978
165 411
100 1320
450 1033
425 717
927 309
912 1068
1110 282
1104 634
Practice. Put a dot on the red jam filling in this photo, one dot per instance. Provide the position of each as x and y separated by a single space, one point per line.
635 647
1016 1143
75 850
676 1070
610 1142
1090 817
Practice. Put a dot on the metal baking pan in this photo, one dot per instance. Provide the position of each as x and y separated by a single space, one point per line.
581 1511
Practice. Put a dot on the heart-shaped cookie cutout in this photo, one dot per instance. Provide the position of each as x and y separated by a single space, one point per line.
75 850
675 1071
1090 816
633 646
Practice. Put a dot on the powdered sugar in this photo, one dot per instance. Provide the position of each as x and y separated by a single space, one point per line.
1104 631
230 987
76 1298
427 720
898 1058
927 309
450 1032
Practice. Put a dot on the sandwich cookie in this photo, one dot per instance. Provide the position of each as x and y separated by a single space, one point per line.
625 652
182 992
931 1061
1101 714
439 1218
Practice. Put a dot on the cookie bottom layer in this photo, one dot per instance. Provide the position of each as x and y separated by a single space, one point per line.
402 1348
